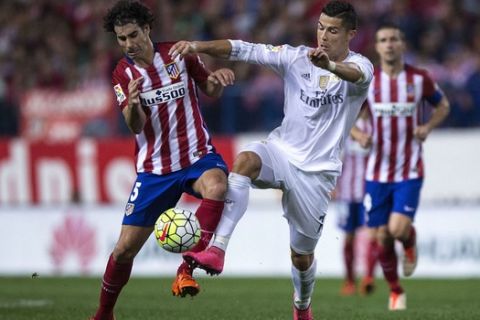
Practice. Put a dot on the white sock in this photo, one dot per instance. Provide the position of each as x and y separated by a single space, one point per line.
236 202
303 283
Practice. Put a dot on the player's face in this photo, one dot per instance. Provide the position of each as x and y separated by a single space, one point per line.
133 39
389 45
333 37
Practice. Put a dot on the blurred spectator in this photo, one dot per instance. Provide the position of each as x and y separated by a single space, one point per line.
62 45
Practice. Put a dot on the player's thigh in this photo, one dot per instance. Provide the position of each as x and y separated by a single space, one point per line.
406 197
151 195
377 203
206 178
131 240
212 184
305 201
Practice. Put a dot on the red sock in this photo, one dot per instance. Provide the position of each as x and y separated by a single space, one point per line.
372 256
388 260
348 257
115 277
208 214
412 238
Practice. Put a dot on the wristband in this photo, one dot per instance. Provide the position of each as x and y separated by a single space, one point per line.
331 66
194 45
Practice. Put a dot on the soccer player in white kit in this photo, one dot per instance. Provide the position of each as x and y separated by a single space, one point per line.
324 90
394 174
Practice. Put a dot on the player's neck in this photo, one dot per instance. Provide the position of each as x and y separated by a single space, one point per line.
393 69
147 59
342 56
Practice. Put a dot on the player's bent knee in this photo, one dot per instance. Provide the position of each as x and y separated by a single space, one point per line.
383 236
216 190
399 232
300 261
123 254
247 164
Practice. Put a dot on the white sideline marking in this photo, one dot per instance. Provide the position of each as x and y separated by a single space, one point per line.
28 303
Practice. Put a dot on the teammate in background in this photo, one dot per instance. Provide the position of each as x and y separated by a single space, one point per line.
324 90
174 154
349 195
395 170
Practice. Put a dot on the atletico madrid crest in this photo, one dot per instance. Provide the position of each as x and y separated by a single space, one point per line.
172 70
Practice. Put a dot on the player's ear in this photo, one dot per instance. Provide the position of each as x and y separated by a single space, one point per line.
146 29
351 34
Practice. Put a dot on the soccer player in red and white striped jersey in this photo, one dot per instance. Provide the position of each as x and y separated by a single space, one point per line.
174 153
395 167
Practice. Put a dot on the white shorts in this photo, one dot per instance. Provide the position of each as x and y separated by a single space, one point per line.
306 195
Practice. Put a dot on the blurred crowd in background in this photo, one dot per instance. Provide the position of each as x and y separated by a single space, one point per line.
61 45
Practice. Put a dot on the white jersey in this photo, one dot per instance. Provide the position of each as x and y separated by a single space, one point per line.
320 108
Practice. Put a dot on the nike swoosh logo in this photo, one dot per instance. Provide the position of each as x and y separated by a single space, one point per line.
164 232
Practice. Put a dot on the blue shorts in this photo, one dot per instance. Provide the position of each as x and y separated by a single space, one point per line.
381 199
352 218
152 194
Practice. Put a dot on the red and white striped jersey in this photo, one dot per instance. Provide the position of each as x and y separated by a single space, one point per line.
351 184
175 135
396 110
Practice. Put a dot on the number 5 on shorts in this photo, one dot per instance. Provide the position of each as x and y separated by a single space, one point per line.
135 191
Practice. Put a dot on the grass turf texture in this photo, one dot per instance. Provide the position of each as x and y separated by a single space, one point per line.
232 298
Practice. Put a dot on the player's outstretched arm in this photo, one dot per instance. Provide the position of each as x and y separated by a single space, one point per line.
133 113
438 115
346 71
215 48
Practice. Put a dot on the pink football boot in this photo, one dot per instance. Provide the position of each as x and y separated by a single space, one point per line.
211 260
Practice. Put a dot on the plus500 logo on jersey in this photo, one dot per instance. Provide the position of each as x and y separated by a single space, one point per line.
163 94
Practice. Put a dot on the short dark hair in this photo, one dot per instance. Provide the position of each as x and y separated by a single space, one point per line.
126 11
342 10
389 25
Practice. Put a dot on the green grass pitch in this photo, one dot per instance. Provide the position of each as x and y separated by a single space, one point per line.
232 298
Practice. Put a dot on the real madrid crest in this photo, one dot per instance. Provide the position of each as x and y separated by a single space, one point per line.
323 82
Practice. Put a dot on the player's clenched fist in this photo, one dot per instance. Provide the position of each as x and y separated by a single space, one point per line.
319 58
223 76
182 48
421 132
134 92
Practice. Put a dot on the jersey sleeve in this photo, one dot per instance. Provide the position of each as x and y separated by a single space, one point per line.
277 58
120 82
196 68
431 91
365 67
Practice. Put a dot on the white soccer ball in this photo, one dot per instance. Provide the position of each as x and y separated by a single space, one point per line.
177 230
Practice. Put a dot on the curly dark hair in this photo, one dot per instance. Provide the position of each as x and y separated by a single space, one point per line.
344 11
127 11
